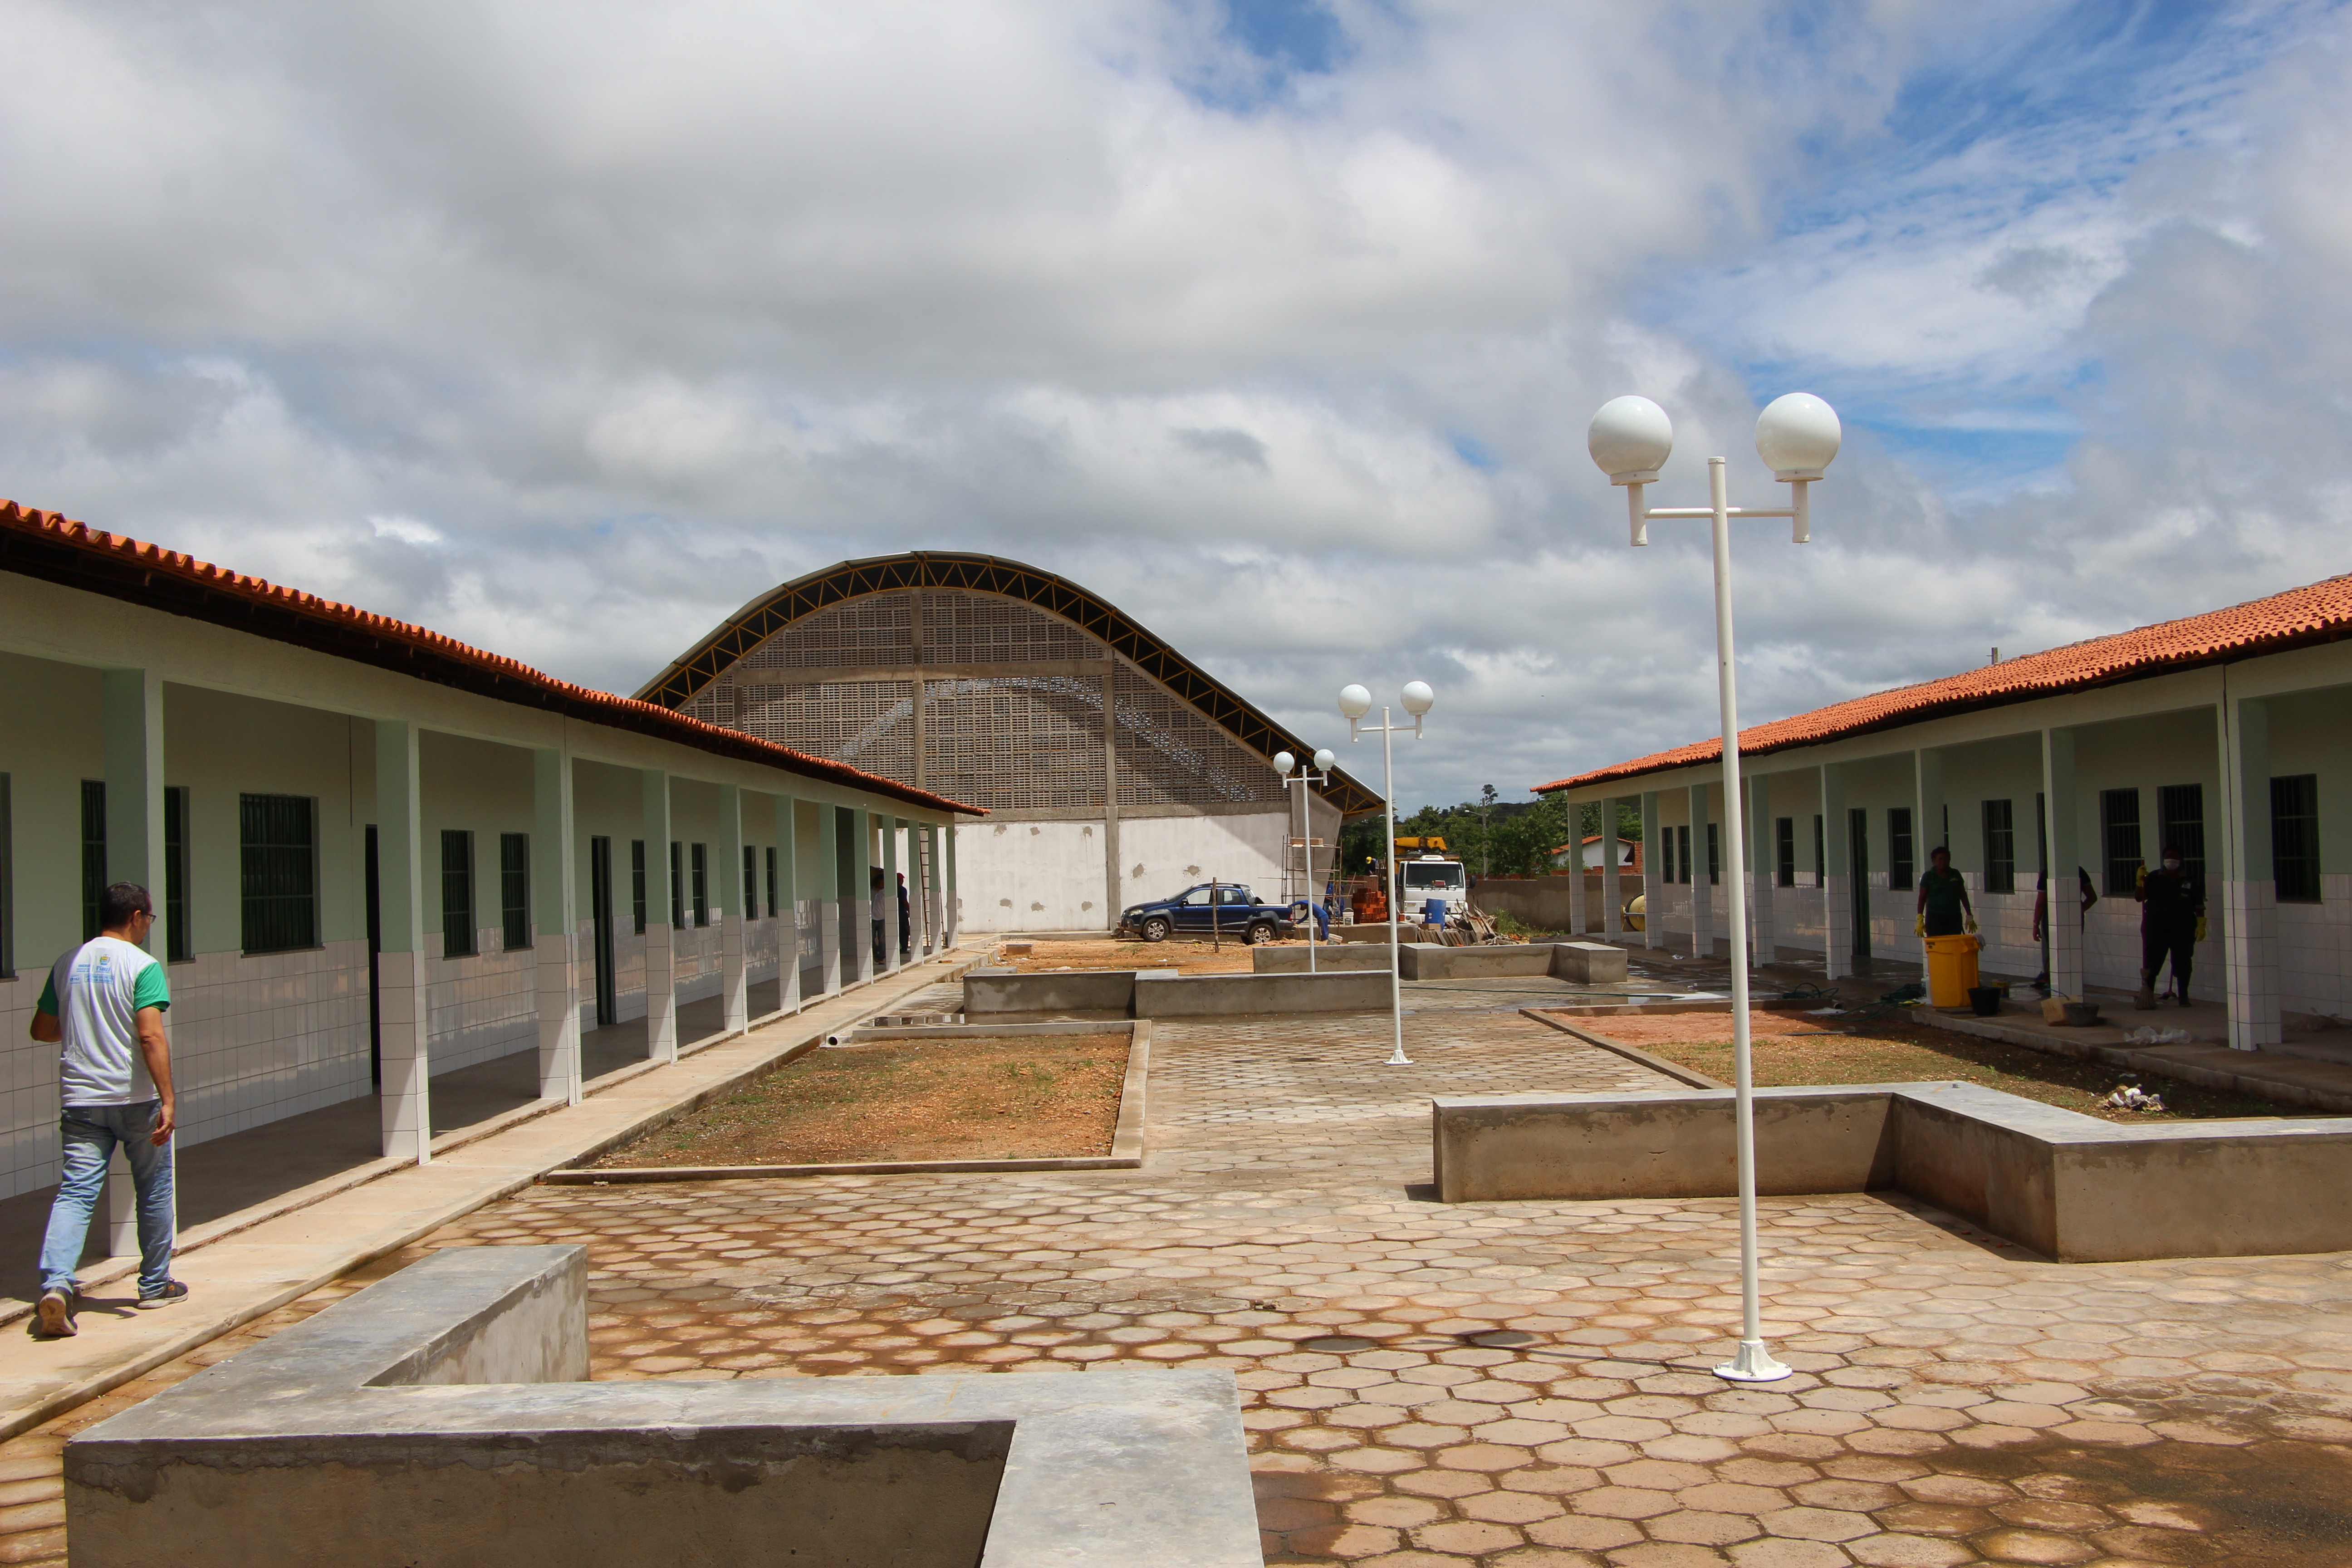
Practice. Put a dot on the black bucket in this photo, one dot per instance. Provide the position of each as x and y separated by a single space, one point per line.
1985 1000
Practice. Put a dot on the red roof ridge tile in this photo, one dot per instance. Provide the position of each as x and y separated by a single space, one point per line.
2317 612
625 712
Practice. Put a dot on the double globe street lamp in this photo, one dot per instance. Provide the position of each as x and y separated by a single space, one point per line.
1355 701
1797 435
1315 772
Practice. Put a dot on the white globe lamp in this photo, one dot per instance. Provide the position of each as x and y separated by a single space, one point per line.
1630 438
1798 436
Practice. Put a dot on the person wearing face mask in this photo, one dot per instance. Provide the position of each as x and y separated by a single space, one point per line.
2171 923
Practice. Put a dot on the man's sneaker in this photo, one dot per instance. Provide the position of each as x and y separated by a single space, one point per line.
173 1290
54 1317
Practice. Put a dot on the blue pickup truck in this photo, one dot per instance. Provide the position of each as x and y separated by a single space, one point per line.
1190 914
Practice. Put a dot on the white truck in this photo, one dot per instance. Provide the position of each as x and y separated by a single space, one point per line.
1425 871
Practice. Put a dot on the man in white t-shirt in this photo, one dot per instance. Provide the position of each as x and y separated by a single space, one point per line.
104 1002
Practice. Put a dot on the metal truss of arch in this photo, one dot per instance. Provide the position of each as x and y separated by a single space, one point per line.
773 611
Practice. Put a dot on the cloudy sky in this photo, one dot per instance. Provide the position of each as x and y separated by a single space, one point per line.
567 327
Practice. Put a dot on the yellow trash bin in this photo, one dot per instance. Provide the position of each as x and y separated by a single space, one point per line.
1951 969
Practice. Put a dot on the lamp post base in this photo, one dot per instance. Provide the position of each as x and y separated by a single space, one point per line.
1397 1058
1753 1363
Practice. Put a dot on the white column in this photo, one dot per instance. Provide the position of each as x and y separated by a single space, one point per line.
734 994
1928 828
404 1101
787 911
1837 883
1702 898
555 922
831 902
1612 875
952 906
890 872
1576 916
2065 902
1652 870
1762 870
134 853
2249 877
661 940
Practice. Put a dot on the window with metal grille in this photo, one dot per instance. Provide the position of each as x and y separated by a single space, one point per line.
514 889
1784 851
2000 847
750 882
2180 824
1714 852
1683 847
771 884
1901 869
2119 840
179 942
1820 856
701 858
278 851
2294 838
1666 855
638 885
677 884
93 854
456 893
7 884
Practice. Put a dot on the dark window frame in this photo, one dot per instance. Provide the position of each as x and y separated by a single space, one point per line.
1901 851
677 884
2180 820
458 939
1714 853
750 882
698 860
1784 851
2295 839
2121 853
1683 852
638 885
772 882
8 881
93 854
1821 852
514 890
1999 824
278 873
179 940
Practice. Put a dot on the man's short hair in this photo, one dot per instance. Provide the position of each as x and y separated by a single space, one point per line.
119 902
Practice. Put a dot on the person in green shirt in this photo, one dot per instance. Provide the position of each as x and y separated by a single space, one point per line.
1944 909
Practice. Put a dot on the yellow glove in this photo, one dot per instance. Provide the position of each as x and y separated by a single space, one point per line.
2200 927
2139 879
1972 925
1919 926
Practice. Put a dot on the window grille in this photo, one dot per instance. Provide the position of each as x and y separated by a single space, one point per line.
638 885
1169 753
1683 838
277 849
1784 850
1714 852
750 882
93 854
179 942
2119 840
2294 838
514 889
700 855
1820 856
677 884
1901 869
458 938
2000 847
771 884
2181 824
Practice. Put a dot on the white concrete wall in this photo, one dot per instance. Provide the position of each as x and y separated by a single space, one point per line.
1032 875
1165 855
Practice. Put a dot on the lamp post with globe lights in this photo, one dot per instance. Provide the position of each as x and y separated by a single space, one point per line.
1317 771
1416 699
1797 435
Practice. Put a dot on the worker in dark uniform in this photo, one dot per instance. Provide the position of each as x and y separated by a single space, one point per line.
1944 909
2172 923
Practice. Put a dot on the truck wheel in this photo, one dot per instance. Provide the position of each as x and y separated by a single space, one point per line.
1156 928
1260 933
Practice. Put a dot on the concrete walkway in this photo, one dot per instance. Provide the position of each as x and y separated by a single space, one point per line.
246 1264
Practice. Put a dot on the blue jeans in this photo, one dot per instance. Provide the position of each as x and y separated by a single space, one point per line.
89 1133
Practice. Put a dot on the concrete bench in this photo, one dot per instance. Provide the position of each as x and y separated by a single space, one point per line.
2072 1187
437 1420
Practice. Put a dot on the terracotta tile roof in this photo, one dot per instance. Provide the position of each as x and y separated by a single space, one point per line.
2296 619
56 548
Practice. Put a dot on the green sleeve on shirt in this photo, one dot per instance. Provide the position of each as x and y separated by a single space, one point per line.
48 1002
149 990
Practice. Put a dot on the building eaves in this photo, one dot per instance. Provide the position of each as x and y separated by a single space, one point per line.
56 548
2300 617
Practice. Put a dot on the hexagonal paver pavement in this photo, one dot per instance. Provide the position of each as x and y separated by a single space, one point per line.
1519 1385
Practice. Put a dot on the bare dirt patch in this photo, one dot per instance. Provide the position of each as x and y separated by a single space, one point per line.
1792 1049
1114 952
1017 1097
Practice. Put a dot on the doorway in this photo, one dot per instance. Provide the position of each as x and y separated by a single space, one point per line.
600 904
376 965
1857 864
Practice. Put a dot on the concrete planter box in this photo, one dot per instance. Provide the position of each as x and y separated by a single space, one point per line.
1583 963
1164 994
2071 1187
341 1440
1331 958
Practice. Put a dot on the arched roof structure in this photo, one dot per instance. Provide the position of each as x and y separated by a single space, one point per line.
698 673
